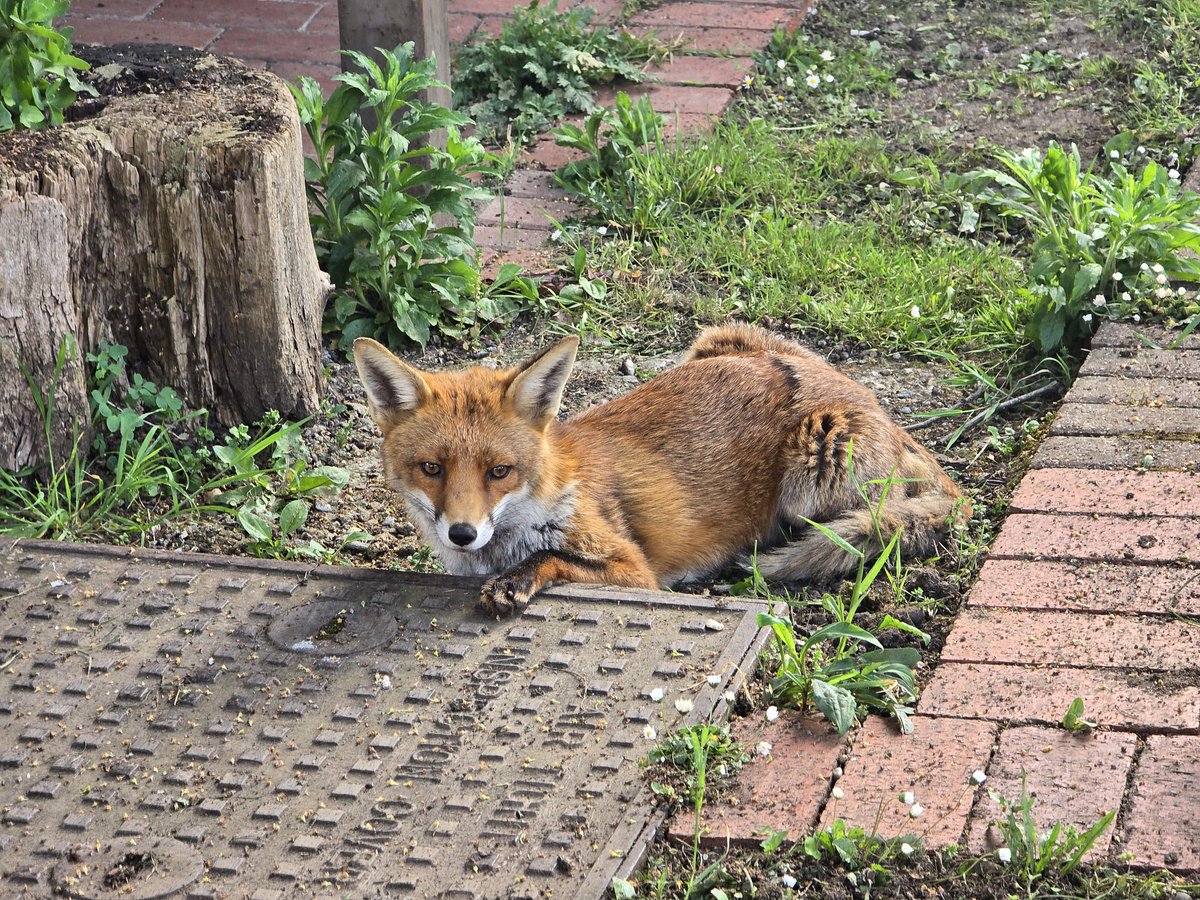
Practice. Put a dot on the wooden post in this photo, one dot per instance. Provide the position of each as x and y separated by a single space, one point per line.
367 24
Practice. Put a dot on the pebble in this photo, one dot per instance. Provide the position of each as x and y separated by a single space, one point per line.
389 521
322 506
358 547
628 368
906 410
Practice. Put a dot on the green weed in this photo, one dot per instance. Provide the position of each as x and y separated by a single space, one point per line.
392 215
37 71
1101 243
541 67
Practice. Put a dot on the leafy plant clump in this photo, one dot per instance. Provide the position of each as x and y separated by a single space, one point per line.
1104 245
37 70
392 216
541 67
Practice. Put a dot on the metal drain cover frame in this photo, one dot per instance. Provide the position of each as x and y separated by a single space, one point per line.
187 725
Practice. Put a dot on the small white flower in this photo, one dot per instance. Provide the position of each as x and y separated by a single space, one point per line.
1162 292
1173 174
1157 267
729 696
684 705
907 798
657 694
789 882
649 733
827 55
602 230
1004 855
1115 154
1087 319
385 682
916 810
915 312
556 235
837 793
979 776
713 680
1126 296
772 713
1181 291
907 849
828 78
812 79
1136 317
790 81
1141 151
1145 267
747 81
1160 278
763 748
1117 276
1099 300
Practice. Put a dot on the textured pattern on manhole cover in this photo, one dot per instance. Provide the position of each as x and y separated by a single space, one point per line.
178 725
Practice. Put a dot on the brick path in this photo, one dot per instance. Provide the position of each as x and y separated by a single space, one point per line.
1092 590
300 37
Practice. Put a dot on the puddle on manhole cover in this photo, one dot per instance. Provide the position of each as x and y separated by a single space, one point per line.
187 726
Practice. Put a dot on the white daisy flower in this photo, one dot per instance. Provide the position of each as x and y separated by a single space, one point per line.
790 81
657 694
1117 276
916 810
812 80
907 849
827 55
763 748
782 63
649 733
907 798
713 680
684 705
979 776
837 793
772 713
1004 855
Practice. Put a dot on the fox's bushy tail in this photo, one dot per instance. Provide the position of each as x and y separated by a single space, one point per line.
922 521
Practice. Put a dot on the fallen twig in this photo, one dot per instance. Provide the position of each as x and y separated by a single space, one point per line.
983 415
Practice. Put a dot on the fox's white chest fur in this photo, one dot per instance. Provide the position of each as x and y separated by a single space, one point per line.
521 526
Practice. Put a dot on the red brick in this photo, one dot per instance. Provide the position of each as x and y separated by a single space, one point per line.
462 26
1124 334
534 262
499 240
1090 418
532 183
1115 493
116 31
1117 390
1087 587
324 22
279 46
780 792
1143 363
546 154
1073 779
688 124
324 74
523 212
724 71
265 14
713 15
1148 539
1164 815
935 763
1072 639
1115 453
489 26
1126 701
125 9
732 41
486 7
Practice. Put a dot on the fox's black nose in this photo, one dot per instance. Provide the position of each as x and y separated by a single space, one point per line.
462 533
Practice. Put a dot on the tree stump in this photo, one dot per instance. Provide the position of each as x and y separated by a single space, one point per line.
168 215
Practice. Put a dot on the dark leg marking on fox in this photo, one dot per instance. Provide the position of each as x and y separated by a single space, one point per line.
511 590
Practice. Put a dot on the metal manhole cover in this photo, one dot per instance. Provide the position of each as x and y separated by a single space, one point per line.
198 726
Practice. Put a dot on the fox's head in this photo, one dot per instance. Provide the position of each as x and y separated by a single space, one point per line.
466 449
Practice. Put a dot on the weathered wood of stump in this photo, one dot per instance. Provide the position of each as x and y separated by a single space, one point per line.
172 222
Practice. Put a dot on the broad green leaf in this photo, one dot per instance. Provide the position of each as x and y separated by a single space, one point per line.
836 703
254 524
293 516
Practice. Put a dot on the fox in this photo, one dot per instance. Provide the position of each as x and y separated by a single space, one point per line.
740 447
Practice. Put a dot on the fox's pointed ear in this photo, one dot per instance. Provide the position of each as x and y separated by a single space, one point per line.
393 387
537 387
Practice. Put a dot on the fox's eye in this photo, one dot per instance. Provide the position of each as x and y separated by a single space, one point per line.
432 469
498 472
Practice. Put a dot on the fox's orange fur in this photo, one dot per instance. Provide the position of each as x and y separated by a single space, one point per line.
745 440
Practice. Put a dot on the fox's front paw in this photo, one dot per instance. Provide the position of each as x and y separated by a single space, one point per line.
506 594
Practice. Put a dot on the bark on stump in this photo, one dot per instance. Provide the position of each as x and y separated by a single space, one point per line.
173 222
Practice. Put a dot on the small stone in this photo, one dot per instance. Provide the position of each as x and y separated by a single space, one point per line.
628 367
